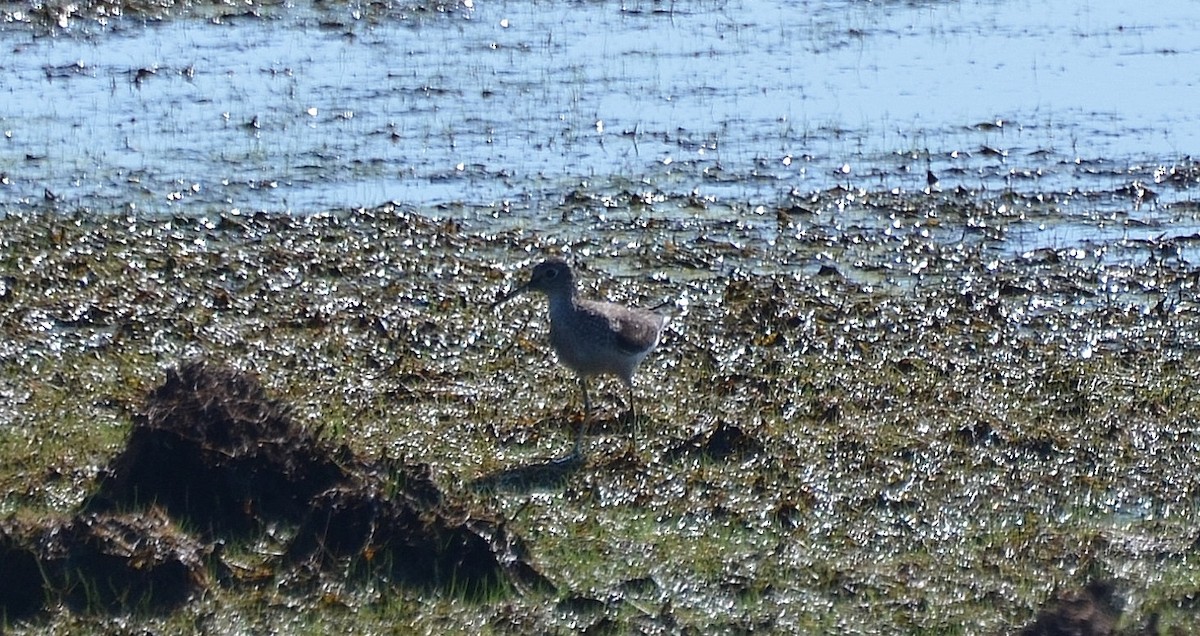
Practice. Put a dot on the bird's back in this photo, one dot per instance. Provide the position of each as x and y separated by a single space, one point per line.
594 338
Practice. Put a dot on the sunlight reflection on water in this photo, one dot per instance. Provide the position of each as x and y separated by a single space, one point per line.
516 100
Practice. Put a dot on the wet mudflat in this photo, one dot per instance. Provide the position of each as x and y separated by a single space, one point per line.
907 427
931 365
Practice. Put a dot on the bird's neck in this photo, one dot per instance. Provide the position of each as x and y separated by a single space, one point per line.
562 302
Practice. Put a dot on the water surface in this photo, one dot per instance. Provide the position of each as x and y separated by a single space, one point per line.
304 107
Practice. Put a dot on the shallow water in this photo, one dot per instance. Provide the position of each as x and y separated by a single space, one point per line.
312 107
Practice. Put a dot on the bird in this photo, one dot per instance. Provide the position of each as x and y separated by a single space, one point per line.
590 337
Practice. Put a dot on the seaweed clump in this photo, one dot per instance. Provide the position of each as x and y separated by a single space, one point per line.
411 543
213 451
100 563
1091 611
213 448
21 591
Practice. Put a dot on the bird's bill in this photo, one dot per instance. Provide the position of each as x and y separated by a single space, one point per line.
509 296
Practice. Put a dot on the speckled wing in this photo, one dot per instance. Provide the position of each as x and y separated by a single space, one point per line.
636 331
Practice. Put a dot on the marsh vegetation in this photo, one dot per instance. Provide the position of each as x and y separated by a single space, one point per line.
912 428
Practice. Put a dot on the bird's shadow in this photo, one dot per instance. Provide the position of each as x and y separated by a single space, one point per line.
551 474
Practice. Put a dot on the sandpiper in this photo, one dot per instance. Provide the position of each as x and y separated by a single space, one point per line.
591 337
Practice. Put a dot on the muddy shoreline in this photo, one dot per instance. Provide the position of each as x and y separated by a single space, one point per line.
871 417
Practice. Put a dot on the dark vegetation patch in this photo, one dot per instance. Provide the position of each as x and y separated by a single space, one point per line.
411 541
123 562
22 592
1094 610
213 451
723 442
100 562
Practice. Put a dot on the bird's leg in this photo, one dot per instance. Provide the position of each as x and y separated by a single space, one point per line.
632 417
587 412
